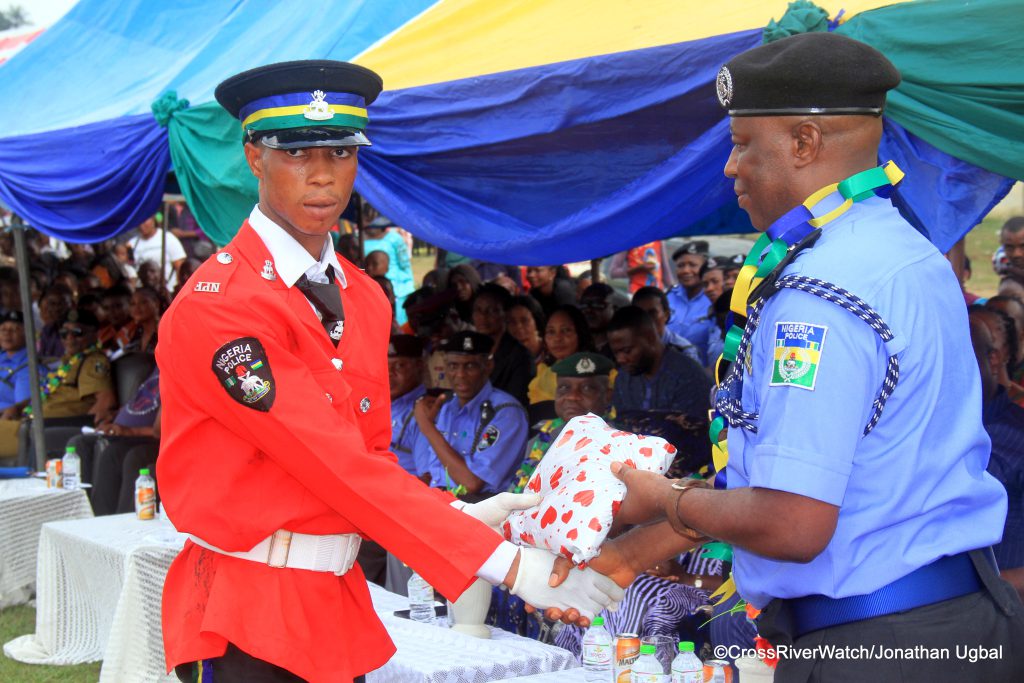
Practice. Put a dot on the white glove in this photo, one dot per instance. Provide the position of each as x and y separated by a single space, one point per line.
585 590
495 510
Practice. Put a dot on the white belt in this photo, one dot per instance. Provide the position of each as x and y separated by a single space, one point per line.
284 549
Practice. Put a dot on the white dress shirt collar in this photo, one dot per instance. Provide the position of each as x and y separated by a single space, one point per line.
290 259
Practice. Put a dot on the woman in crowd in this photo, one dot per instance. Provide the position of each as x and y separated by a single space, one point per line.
566 333
524 321
464 281
140 333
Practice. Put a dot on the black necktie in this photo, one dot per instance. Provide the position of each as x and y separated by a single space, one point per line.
327 299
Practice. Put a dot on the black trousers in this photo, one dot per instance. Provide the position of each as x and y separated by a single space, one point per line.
236 666
976 637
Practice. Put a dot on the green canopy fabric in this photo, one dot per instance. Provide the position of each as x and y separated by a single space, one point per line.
963 75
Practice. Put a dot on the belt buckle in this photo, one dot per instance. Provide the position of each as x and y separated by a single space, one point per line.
281 542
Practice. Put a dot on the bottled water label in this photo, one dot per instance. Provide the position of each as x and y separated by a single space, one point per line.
597 654
636 677
688 676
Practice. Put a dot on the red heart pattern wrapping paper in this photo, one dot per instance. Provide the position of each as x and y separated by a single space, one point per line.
580 494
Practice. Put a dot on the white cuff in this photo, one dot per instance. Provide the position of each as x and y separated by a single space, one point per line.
495 569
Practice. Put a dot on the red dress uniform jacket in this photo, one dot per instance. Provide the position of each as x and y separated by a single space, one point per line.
315 462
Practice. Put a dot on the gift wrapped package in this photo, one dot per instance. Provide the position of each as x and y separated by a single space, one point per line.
580 494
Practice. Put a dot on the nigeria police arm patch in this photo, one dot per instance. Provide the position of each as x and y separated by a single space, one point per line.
797 354
488 438
242 368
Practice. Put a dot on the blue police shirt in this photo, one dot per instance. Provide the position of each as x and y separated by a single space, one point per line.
14 379
913 490
492 451
691 320
404 429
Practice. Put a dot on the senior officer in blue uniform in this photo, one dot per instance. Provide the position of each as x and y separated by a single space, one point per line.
472 439
405 378
858 502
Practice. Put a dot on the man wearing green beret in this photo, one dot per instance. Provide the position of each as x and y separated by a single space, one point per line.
583 386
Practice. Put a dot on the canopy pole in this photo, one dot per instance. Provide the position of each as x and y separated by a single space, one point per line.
35 398
595 270
359 225
163 251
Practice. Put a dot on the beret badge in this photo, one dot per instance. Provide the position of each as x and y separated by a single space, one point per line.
723 86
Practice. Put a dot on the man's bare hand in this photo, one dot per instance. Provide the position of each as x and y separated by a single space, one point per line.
646 495
611 562
427 408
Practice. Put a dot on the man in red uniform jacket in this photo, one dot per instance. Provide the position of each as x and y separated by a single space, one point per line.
276 426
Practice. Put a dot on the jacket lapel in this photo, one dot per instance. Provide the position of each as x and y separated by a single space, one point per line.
251 248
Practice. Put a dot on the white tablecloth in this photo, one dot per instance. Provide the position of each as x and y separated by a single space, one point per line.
437 655
91 576
100 584
572 676
25 505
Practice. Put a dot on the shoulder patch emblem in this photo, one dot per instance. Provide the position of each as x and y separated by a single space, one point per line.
488 438
242 368
798 348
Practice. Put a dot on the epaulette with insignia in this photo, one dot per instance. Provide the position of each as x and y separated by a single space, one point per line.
212 277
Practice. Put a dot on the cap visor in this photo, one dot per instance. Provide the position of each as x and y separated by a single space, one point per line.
314 137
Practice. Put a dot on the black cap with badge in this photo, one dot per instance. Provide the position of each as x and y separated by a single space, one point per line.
405 346
12 316
468 342
806 74
697 247
308 103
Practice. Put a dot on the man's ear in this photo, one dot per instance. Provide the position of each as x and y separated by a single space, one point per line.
254 157
808 142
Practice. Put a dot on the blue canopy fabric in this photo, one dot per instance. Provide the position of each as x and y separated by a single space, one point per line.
544 164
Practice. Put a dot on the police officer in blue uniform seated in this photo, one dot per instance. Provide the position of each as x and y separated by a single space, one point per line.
473 436
858 505
406 370
14 379
653 376
688 302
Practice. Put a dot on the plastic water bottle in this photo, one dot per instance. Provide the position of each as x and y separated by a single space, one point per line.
71 464
647 668
421 599
687 667
597 653
145 495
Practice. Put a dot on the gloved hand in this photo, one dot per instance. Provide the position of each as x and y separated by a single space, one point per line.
495 510
585 590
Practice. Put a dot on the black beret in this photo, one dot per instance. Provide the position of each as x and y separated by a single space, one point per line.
82 316
405 346
716 263
12 316
736 261
699 247
809 73
583 364
468 342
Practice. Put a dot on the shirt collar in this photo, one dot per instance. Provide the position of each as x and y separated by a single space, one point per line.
408 397
291 260
474 403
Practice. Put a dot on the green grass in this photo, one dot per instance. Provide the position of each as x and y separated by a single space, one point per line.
981 243
17 621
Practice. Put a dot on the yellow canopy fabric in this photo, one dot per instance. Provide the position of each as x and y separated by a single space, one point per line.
457 39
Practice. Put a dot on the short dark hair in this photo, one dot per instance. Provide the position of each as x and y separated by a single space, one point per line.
632 318
496 292
530 304
1013 224
116 292
647 293
1009 330
601 289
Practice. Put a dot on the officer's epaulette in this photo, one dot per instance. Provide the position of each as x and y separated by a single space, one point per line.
213 276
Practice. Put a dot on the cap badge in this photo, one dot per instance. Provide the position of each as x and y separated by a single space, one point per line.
364 404
723 86
224 257
585 366
268 270
337 330
318 109
467 344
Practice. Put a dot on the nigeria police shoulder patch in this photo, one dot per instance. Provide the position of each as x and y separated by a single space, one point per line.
797 354
243 370
488 438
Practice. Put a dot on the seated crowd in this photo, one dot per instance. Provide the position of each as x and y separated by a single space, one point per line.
487 363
